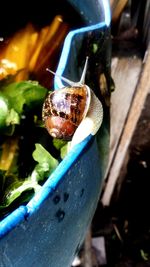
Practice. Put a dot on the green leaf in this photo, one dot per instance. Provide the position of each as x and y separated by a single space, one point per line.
61 145
64 150
8 116
4 110
47 163
15 190
40 172
58 143
2 180
12 118
144 255
28 93
34 95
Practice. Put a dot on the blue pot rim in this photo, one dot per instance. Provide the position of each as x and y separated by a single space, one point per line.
24 211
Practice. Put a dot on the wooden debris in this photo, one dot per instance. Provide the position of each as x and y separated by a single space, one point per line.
87 257
117 169
98 245
125 72
117 7
146 24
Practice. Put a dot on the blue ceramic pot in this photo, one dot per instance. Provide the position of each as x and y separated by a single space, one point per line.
49 230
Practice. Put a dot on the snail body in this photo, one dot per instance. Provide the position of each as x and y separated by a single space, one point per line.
68 109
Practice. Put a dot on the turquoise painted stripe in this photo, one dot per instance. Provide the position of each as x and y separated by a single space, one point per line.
66 49
20 213
12 220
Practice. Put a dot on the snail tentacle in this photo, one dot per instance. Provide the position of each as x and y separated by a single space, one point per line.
69 82
82 80
72 112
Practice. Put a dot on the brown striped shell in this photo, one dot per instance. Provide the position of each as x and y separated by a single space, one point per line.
72 112
64 109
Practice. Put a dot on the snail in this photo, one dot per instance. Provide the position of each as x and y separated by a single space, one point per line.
74 112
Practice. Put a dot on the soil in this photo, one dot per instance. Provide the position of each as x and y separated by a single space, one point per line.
125 224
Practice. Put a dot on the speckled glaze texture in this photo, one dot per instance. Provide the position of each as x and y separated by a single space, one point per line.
52 236
49 230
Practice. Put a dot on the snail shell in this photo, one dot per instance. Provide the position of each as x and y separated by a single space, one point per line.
72 112
64 109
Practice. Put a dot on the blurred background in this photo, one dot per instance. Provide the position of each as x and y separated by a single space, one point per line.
120 232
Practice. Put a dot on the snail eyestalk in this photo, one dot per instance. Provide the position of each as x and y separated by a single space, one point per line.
69 82
72 113
82 80
62 78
